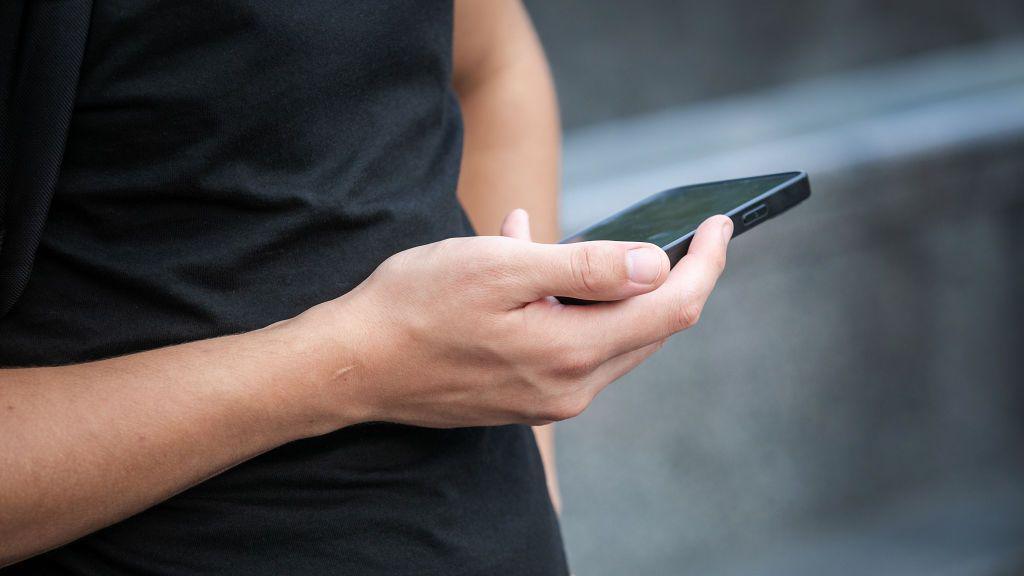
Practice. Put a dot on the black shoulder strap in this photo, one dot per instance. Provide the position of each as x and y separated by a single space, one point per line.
39 79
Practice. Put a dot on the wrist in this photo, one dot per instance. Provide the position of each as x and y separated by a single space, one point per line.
328 381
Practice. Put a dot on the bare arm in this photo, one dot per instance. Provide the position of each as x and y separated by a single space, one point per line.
83 446
86 445
512 135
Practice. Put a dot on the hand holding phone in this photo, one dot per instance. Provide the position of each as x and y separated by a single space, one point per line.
464 332
670 219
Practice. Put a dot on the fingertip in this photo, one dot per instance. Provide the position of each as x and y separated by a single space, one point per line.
516 224
719 227
718 221
727 227
517 215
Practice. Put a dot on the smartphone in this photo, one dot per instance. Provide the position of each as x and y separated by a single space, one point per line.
669 219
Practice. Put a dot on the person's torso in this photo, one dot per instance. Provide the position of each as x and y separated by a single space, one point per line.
230 164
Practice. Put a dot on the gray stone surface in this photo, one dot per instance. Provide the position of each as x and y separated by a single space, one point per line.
927 105
862 349
851 402
959 529
616 58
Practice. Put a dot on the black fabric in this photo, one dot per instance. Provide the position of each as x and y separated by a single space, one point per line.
230 164
37 95
10 39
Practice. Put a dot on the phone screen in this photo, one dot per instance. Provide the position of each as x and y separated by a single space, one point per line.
670 215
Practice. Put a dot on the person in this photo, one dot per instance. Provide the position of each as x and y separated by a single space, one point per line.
260 336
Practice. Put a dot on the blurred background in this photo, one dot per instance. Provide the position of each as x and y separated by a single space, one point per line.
853 399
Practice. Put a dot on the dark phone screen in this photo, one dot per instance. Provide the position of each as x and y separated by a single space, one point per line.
670 215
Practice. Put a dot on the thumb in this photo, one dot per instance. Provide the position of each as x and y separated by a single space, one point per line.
599 270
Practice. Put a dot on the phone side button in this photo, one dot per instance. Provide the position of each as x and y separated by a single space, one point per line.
754 214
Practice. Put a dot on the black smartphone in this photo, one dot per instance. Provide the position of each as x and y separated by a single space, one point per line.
669 219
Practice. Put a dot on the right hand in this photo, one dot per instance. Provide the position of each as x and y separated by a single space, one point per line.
464 332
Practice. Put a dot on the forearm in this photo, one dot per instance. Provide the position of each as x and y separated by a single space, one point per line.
511 156
86 445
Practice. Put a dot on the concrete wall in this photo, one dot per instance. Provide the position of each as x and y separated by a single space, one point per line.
617 58
863 350
851 402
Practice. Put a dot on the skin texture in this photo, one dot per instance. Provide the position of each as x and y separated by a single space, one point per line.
84 446
512 138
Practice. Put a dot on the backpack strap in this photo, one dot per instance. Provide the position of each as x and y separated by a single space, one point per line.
39 97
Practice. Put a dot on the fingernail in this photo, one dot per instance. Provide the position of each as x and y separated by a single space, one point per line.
727 230
644 264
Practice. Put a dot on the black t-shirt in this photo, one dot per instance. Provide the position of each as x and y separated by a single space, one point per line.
229 165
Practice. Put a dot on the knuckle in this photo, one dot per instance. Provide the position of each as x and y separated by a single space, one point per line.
397 262
441 253
593 267
688 314
566 407
717 262
582 268
448 243
550 349
575 364
449 246
484 263
721 258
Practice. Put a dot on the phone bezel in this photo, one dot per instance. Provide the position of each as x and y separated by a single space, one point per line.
777 199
